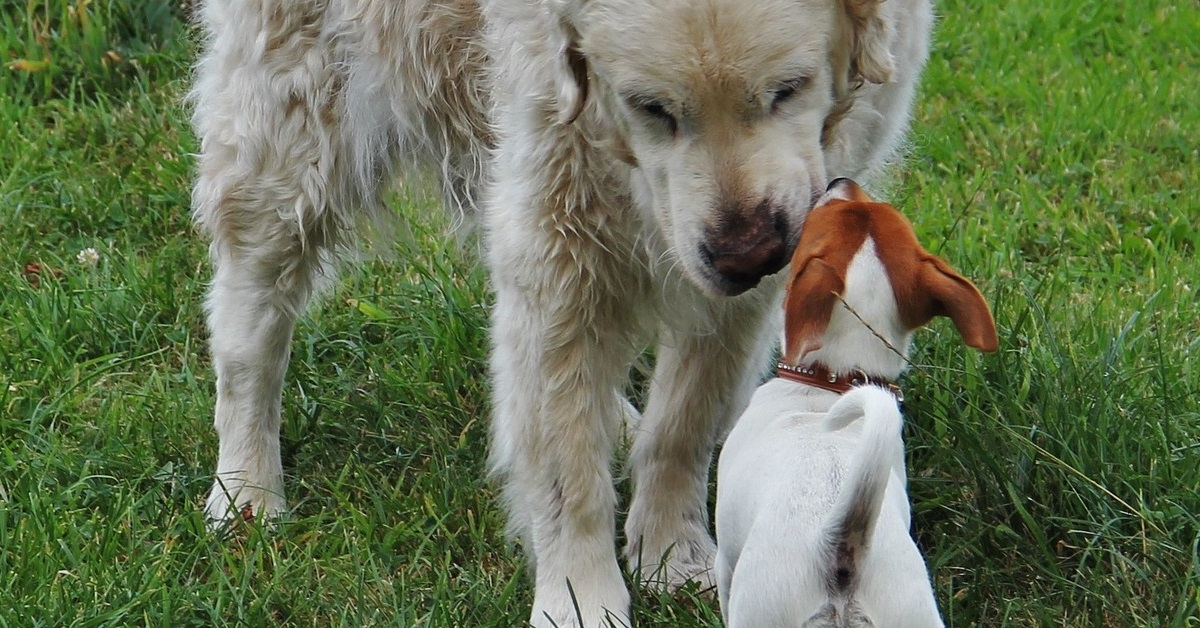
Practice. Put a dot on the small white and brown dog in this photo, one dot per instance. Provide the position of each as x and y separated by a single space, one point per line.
812 508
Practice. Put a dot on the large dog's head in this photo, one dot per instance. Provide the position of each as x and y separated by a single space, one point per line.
721 106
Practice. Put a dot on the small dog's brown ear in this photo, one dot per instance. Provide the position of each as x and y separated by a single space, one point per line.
811 296
955 296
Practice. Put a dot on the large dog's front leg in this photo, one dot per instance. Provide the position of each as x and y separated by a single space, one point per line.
561 345
556 419
703 378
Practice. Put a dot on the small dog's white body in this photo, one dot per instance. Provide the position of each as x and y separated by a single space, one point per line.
812 507
784 474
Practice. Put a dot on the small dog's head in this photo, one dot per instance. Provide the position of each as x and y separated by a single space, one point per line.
861 284
720 107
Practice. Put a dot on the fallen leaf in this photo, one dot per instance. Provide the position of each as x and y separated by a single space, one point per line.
29 65
33 271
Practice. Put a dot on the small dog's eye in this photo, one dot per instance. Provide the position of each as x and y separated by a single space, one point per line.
657 111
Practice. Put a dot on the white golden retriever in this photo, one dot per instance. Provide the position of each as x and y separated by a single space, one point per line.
641 170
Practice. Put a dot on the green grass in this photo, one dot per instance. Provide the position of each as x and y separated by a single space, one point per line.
1054 160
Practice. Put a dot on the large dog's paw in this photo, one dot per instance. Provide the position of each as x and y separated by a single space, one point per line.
598 600
233 500
671 566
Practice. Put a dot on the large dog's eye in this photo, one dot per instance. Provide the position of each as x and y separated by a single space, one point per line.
656 111
786 91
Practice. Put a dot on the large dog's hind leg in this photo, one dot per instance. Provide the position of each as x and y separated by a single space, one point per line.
264 113
701 381
252 305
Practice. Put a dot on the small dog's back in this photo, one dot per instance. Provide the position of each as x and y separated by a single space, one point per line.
851 462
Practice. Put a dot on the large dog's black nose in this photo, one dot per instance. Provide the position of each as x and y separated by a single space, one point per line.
746 246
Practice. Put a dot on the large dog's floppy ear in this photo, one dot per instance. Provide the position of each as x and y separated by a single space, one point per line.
572 66
811 297
954 296
872 36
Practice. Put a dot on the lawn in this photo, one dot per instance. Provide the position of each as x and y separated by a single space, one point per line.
1054 158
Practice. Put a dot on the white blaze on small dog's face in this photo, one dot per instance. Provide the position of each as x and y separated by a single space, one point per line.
721 104
868 328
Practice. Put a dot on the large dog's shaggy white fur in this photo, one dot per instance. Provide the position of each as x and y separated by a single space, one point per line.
641 169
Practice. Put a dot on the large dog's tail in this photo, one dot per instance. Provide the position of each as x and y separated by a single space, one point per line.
852 522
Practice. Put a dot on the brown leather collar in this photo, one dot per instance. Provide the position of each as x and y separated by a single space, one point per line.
821 377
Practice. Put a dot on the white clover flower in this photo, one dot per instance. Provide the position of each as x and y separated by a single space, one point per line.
88 257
